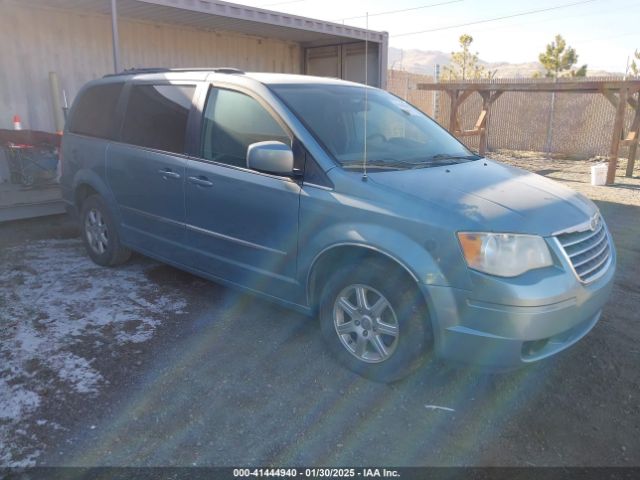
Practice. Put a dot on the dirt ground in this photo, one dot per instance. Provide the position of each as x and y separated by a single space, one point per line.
576 174
144 365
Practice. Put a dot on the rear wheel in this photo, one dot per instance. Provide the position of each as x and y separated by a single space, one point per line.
375 322
100 235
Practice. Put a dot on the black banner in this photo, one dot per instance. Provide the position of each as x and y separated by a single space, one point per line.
283 473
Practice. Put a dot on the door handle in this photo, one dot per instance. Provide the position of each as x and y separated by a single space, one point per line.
201 181
168 173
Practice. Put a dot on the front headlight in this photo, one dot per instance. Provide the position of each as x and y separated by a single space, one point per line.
504 254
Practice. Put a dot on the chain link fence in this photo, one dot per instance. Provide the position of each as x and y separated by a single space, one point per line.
576 125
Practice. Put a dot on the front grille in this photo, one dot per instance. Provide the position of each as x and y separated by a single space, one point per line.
588 251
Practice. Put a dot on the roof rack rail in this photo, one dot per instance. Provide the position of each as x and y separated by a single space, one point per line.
138 71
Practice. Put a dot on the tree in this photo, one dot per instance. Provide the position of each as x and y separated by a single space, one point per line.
634 68
558 57
581 72
464 64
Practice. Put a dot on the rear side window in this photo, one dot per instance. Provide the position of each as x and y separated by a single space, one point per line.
94 111
156 116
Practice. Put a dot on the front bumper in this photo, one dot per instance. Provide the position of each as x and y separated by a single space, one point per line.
516 322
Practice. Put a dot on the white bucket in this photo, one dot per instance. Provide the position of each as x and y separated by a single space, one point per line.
599 174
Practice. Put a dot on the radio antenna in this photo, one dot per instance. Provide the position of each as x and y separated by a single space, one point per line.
366 95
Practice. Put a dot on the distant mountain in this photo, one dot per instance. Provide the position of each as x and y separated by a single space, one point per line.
424 62
417 61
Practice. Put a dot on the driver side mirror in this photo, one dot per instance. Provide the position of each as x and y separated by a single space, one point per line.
270 157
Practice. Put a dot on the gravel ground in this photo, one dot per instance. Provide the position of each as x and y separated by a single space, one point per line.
576 174
145 365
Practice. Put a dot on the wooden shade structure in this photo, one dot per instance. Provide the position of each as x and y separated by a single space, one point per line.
620 93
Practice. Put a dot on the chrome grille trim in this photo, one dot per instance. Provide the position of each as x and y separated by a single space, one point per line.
587 251
588 259
600 234
576 241
600 262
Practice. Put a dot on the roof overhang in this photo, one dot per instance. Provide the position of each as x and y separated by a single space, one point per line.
225 16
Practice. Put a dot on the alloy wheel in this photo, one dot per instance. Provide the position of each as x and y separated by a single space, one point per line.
366 323
96 231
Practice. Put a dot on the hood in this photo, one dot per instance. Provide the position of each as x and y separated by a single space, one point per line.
491 196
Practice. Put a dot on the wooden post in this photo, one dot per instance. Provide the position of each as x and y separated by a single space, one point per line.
482 123
482 126
633 148
617 132
453 114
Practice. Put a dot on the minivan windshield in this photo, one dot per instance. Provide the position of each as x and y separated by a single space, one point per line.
398 135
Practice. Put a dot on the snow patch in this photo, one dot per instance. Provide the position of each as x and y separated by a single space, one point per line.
55 303
77 372
16 402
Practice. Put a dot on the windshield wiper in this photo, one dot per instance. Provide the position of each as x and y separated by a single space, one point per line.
446 156
443 159
392 163
380 162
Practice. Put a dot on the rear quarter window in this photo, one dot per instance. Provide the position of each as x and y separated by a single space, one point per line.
94 111
157 115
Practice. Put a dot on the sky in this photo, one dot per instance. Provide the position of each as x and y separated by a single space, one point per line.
603 32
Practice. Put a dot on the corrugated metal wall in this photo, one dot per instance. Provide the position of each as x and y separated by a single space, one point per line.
35 41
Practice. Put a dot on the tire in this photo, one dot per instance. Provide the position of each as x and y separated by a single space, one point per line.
393 324
100 235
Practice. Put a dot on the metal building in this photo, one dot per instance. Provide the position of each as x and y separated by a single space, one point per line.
50 48
74 40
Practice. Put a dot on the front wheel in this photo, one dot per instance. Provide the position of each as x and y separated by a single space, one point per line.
375 322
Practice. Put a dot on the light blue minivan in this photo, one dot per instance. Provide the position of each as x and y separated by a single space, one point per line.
341 201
